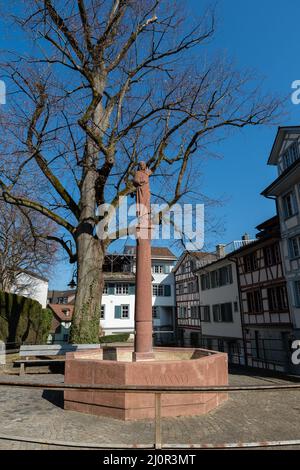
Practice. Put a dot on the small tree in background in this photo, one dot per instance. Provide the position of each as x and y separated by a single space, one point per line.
25 245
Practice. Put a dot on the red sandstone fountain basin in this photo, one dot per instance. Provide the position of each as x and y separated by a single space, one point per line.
170 367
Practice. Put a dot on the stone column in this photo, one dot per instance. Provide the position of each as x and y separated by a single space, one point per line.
143 349
143 294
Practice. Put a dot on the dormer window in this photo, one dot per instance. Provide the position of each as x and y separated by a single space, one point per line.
290 155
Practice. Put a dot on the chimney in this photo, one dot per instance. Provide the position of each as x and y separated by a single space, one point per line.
246 237
220 249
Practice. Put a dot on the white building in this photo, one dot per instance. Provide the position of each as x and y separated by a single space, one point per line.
29 284
220 308
285 154
118 300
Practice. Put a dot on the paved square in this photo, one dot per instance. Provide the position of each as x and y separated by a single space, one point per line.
247 416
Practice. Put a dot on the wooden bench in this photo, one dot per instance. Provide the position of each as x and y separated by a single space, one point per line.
45 350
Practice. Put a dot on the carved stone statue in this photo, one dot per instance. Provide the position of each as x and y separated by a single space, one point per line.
141 182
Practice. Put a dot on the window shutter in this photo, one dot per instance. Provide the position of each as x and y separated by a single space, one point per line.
117 311
111 289
166 269
131 289
167 290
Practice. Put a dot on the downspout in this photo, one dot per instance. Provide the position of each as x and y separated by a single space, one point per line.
234 260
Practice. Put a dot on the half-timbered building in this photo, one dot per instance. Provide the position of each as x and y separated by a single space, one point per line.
266 318
285 190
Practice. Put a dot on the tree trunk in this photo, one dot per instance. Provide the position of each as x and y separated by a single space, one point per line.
90 250
86 319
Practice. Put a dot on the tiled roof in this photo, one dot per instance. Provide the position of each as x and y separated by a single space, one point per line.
202 255
61 310
159 251
61 293
130 277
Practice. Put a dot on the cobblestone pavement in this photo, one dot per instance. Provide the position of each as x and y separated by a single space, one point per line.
247 416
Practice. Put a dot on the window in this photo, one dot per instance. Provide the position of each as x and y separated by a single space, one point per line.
124 311
105 289
187 267
158 290
294 245
195 311
223 313
122 289
190 287
66 312
214 279
155 312
161 290
102 313
290 155
205 281
219 277
62 300
225 275
289 204
157 269
254 301
250 263
182 312
180 288
217 313
297 293
277 298
205 313
272 255
226 312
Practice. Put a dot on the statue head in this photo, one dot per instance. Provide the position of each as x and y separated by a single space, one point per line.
143 166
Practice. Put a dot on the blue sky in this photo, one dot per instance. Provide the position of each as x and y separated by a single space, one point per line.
262 35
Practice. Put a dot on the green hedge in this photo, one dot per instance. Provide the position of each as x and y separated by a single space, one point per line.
121 338
23 320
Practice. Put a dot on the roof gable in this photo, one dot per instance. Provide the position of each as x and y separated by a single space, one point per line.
284 135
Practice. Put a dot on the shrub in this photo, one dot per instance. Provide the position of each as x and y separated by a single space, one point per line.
120 338
23 320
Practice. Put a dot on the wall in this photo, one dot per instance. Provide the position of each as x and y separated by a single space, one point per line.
32 287
290 228
111 325
219 295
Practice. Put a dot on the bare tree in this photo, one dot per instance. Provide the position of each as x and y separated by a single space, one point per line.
23 248
110 81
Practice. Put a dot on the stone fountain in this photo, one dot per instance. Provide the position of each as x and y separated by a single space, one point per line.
143 364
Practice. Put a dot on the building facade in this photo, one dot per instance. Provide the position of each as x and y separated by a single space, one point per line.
188 320
32 285
61 323
61 297
266 319
118 299
285 155
220 309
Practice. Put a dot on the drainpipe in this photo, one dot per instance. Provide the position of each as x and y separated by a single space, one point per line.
234 260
